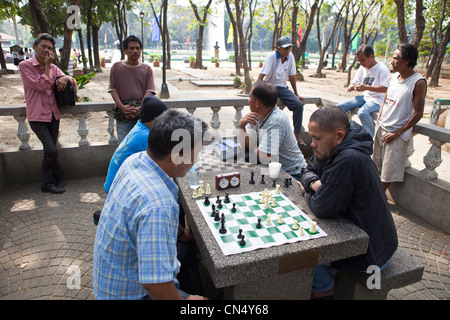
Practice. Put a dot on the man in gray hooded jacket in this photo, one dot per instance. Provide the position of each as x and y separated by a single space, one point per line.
342 180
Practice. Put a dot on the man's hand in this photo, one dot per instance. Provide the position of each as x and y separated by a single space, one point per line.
301 98
195 297
130 111
61 83
389 137
351 87
252 118
49 59
361 87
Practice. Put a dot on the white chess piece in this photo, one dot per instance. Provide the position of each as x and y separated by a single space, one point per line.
208 189
266 203
195 194
280 219
263 198
274 203
295 226
302 231
268 221
313 227
200 191
277 190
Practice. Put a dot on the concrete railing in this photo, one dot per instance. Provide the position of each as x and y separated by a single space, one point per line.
437 135
21 164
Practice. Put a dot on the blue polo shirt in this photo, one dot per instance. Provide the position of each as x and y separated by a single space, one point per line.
135 141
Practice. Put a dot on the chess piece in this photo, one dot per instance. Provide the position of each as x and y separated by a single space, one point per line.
234 208
206 200
286 182
216 216
258 225
222 229
295 226
213 208
218 199
277 190
219 205
268 221
262 179
208 189
302 231
194 194
280 219
263 198
239 236
274 203
200 191
313 227
252 181
227 199
242 242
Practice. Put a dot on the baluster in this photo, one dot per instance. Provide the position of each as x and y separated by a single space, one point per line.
82 131
191 110
432 160
237 118
23 133
112 138
215 124
410 150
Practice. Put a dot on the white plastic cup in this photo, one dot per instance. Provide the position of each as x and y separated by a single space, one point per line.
274 170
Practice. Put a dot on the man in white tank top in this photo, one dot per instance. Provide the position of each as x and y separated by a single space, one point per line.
401 110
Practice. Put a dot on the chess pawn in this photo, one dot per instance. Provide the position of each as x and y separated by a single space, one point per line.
295 226
195 194
274 203
302 231
280 219
268 221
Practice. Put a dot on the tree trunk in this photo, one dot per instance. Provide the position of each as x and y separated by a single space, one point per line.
239 23
2 58
420 24
237 59
67 46
440 54
302 47
83 55
97 66
402 37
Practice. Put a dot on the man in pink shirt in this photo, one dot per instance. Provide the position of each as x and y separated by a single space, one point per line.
38 75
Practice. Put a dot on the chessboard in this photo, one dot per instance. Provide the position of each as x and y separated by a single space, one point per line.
246 222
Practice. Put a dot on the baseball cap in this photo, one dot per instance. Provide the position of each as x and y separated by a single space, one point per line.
284 42
151 107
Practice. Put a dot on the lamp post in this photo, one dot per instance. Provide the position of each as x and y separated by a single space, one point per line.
164 89
141 15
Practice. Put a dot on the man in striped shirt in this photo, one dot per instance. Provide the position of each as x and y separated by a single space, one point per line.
135 251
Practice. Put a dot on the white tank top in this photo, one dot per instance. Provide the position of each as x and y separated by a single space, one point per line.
398 106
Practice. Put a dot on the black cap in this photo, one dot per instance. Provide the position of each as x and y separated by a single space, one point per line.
151 107
284 42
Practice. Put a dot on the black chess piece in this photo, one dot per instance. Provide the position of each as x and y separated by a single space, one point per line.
219 205
258 225
286 182
207 202
234 208
222 229
252 179
242 242
213 212
262 179
239 236
290 181
218 199
216 216
274 184
227 198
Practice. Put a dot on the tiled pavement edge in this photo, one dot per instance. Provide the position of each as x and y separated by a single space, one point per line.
46 244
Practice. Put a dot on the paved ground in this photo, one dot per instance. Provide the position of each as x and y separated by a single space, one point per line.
46 244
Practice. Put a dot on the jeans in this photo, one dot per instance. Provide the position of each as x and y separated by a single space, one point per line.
123 127
294 104
47 133
323 277
364 112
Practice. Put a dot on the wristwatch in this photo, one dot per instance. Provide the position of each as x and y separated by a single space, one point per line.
310 184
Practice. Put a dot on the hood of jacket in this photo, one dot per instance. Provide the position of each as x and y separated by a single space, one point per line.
357 138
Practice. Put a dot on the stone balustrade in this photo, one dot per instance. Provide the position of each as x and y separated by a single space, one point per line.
432 159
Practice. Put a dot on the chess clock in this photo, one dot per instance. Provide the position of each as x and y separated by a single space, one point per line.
228 180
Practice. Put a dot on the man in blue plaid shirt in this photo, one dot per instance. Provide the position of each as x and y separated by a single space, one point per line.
135 251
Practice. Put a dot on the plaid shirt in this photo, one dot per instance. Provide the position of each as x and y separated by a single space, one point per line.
137 232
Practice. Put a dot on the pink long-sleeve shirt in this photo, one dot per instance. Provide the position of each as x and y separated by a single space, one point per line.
39 96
